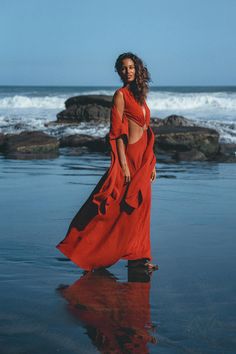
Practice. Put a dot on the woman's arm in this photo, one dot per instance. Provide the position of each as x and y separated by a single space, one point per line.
118 100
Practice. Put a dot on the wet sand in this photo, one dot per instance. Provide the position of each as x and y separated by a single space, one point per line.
47 303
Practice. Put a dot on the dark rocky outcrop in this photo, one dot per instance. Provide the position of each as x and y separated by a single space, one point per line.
86 108
191 155
228 149
31 144
83 140
177 139
227 153
2 140
174 121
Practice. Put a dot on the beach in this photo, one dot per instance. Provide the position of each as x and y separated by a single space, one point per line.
47 303
75 77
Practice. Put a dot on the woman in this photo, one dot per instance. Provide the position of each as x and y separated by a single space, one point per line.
114 222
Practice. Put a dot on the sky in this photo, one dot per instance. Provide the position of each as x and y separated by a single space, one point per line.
76 42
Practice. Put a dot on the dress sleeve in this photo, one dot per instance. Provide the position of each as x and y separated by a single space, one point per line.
109 191
118 124
139 183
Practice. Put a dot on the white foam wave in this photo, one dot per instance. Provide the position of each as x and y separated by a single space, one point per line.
189 101
99 130
156 100
19 101
226 130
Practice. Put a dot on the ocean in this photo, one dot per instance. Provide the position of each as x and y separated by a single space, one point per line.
27 108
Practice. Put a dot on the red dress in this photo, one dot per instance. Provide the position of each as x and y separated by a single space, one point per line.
114 222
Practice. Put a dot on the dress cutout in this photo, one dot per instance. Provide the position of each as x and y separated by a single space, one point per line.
114 222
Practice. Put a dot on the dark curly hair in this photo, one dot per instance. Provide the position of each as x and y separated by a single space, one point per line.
139 87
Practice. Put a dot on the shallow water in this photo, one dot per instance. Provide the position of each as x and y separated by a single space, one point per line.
48 305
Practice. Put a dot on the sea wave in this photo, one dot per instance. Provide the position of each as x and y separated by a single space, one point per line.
30 110
19 101
155 100
189 101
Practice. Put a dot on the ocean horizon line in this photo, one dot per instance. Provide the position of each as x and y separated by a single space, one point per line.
111 86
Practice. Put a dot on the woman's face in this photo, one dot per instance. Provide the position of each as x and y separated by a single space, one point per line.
127 71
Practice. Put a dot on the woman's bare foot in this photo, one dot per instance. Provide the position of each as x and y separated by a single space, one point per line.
142 263
151 266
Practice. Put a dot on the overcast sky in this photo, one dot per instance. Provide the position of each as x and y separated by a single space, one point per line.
76 42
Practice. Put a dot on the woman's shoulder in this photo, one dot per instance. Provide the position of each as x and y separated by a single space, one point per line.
119 94
120 91
118 97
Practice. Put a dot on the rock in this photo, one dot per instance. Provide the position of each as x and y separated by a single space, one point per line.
83 100
54 123
172 120
225 158
192 155
156 122
177 121
186 138
83 140
35 142
2 140
86 108
228 149
227 153
75 140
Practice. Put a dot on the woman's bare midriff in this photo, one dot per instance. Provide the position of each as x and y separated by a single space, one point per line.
135 131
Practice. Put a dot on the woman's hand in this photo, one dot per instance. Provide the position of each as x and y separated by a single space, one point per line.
126 173
153 174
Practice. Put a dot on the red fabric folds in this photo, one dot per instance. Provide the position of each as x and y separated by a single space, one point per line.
136 188
114 222
109 190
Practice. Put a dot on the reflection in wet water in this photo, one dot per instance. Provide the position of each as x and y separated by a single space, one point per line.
116 314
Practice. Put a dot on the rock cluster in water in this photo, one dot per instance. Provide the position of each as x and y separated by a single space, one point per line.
176 138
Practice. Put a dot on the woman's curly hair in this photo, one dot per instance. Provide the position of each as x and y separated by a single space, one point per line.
139 87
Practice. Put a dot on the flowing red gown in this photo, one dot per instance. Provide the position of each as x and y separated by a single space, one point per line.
114 222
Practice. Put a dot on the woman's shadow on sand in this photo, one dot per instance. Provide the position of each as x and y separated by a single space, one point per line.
116 314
